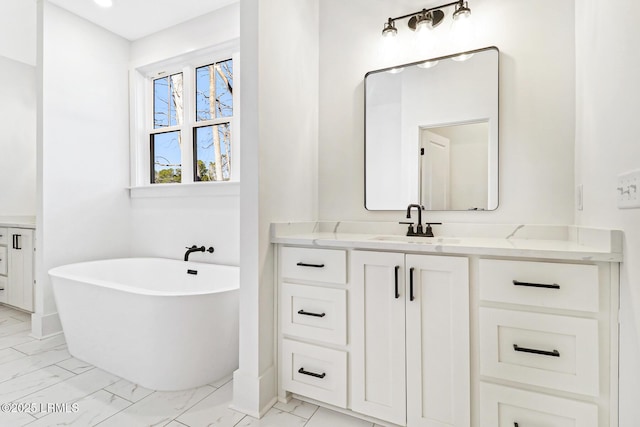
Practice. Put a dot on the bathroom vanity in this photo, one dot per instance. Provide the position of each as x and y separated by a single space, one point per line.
489 325
16 262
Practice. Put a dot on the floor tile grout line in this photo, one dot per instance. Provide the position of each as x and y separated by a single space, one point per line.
314 412
77 400
240 420
123 409
69 370
209 394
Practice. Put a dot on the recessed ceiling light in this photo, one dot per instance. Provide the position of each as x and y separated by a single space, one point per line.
104 3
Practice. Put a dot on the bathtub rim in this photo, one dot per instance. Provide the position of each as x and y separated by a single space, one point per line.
59 273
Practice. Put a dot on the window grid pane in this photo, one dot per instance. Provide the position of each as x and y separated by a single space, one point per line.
167 101
212 152
166 165
214 91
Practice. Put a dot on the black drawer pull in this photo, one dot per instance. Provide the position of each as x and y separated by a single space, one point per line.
311 374
306 313
554 353
411 297
397 294
515 425
535 285
303 264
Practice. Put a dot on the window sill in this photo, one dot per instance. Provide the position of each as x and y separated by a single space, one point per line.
209 189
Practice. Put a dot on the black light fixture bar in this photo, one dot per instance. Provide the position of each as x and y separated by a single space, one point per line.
433 16
420 12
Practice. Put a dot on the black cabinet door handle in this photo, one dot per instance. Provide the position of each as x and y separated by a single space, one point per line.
311 374
515 425
554 353
397 294
306 313
304 264
411 297
535 285
16 241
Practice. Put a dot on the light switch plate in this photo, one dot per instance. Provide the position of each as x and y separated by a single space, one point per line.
628 190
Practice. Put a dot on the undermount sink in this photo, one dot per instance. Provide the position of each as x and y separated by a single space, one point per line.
418 239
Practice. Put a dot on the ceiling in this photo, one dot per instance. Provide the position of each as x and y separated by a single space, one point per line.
134 19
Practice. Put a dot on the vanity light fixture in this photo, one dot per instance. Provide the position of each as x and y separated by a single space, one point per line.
390 29
427 18
462 11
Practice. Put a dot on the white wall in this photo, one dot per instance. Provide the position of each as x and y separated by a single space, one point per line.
18 138
279 45
18 30
83 149
536 101
165 226
607 134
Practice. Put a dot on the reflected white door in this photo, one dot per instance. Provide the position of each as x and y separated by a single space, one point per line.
434 171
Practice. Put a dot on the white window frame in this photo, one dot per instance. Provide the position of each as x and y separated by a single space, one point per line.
141 112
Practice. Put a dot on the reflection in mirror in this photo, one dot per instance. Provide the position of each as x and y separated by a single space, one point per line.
453 167
431 134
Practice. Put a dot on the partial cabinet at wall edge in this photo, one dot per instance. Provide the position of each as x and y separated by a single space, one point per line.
16 267
409 323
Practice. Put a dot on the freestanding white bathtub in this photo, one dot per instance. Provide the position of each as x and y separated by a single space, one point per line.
160 323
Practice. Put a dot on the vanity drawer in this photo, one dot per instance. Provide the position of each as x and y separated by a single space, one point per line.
315 313
540 284
316 372
319 265
3 289
4 235
558 352
508 407
3 260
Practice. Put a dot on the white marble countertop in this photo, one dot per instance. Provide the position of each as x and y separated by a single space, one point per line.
537 241
18 221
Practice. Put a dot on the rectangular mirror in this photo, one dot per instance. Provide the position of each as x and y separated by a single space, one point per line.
431 134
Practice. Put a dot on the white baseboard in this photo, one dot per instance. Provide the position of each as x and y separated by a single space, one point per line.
252 395
45 326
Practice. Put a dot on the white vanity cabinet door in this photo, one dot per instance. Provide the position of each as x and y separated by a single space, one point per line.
437 310
4 232
377 322
19 290
509 407
423 379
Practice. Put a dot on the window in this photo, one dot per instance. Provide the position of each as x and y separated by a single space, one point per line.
184 113
214 110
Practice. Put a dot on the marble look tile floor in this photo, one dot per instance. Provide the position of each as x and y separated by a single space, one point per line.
63 391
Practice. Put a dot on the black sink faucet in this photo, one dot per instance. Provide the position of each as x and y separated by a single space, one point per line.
428 232
419 226
195 248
